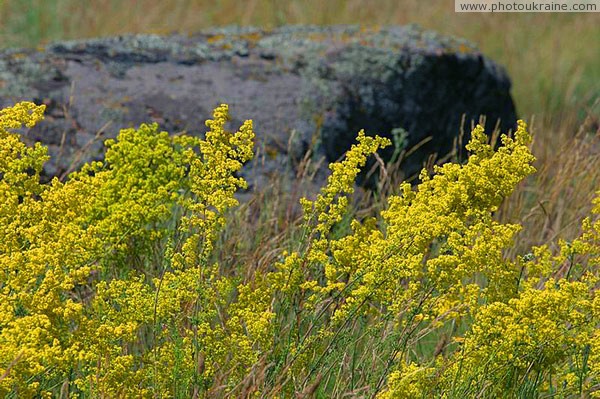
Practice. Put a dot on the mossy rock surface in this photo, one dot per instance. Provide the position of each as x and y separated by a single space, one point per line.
304 86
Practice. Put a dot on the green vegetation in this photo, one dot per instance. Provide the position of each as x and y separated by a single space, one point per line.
115 283
131 278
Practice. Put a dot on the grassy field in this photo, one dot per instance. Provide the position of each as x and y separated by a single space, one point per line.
554 63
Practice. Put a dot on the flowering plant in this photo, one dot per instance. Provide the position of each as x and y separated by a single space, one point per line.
111 283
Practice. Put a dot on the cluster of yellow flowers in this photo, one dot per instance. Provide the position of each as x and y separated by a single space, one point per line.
45 254
532 323
107 278
109 284
433 264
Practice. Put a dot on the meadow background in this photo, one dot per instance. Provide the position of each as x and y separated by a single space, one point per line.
553 60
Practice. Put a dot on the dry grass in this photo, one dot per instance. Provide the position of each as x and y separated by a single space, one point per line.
552 203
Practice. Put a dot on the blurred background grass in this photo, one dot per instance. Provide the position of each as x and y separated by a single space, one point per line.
553 60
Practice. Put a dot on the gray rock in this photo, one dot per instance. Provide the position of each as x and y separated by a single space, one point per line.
303 86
